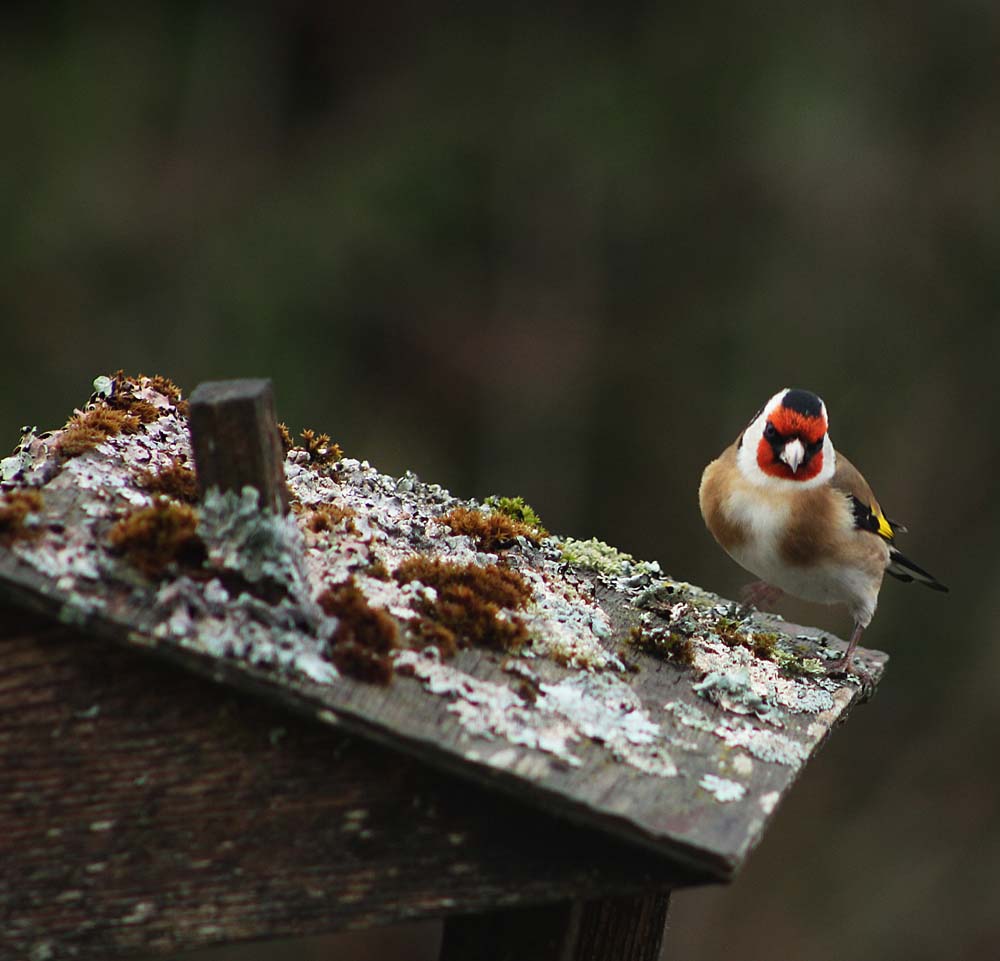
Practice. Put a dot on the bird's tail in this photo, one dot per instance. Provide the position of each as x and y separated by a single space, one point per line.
905 570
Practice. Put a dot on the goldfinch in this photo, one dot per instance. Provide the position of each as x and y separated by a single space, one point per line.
791 510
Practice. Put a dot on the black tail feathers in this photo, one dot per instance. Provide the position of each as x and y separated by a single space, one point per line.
904 569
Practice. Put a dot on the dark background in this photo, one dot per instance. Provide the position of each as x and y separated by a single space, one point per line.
567 254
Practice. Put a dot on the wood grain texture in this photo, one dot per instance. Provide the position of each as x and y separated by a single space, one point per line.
674 816
608 929
626 928
143 809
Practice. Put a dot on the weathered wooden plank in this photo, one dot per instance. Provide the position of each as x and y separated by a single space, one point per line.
234 434
606 929
689 759
143 809
675 815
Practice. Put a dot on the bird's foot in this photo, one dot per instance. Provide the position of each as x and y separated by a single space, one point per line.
758 596
852 668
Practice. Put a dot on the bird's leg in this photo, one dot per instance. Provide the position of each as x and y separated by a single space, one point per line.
846 664
759 595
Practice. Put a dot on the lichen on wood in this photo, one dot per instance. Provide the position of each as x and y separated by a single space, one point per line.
553 662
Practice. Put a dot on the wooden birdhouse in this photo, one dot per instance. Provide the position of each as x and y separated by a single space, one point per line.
253 689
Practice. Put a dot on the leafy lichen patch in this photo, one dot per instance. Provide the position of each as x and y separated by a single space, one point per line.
598 708
722 788
740 668
596 555
208 618
763 744
567 625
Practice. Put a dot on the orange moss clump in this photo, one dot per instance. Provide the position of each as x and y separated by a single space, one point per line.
173 393
15 509
472 603
376 568
121 411
491 532
320 448
88 428
365 636
176 480
124 390
152 538
327 517
122 397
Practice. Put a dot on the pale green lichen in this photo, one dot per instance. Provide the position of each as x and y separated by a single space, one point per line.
792 663
257 544
733 691
600 708
598 556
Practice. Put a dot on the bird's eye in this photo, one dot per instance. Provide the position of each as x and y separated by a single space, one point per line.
770 432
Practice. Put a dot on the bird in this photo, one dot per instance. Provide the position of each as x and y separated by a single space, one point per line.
796 513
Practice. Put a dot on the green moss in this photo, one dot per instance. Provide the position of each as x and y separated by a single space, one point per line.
663 643
731 632
763 644
517 509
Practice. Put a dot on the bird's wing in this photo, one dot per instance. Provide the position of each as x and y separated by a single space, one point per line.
868 515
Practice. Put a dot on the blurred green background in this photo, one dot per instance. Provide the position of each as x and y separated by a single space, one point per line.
566 253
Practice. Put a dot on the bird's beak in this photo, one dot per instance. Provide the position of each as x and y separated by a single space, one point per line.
793 454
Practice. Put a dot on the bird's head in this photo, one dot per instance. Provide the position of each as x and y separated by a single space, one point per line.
788 440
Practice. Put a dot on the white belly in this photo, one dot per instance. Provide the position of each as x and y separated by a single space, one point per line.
827 582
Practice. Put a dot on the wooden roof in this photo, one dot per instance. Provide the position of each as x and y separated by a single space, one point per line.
627 702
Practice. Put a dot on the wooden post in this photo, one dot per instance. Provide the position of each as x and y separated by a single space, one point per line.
605 929
234 435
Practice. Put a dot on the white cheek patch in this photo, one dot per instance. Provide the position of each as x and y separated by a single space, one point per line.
746 456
